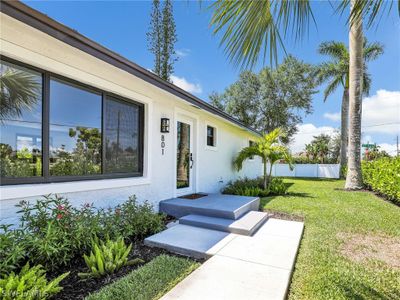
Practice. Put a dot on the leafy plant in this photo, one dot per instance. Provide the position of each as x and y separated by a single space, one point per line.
246 187
270 149
12 249
383 176
108 257
30 283
277 186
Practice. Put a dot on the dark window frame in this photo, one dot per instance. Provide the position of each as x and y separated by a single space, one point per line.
46 178
214 136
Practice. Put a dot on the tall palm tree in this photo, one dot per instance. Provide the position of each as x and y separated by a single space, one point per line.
18 91
269 149
252 29
336 73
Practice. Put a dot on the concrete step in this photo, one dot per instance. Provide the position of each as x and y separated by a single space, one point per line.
212 205
246 225
190 241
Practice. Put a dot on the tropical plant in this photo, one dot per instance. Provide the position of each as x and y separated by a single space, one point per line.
251 29
269 149
29 284
108 257
336 72
18 92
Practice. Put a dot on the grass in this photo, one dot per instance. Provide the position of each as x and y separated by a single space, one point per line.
148 282
322 270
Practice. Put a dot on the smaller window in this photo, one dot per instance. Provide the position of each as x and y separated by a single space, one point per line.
251 143
211 136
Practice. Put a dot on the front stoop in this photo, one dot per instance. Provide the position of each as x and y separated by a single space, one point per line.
246 225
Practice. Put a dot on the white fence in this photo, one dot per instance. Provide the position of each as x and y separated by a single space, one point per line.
307 170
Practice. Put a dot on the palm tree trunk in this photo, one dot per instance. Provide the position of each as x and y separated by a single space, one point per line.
265 174
269 176
354 176
344 130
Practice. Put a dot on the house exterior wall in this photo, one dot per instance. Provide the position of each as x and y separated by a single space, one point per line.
213 166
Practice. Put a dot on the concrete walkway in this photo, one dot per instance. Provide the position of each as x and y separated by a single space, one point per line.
246 267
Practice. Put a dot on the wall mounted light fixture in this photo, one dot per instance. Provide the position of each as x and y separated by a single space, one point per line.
164 125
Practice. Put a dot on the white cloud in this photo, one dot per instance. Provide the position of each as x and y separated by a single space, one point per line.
389 148
182 52
332 116
382 109
305 135
186 85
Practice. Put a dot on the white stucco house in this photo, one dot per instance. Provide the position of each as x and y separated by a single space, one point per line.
99 127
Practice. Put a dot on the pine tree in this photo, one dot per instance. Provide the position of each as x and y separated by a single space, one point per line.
154 36
161 38
169 39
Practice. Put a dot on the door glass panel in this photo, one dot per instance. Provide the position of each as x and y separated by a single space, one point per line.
183 156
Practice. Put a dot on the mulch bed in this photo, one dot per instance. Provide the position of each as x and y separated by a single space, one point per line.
75 288
193 196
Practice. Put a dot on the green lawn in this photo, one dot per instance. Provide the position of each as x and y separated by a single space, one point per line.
148 282
336 220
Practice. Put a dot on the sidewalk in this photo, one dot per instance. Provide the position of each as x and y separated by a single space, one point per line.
257 267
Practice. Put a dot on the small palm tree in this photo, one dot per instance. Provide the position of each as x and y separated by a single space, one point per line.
336 73
18 91
269 149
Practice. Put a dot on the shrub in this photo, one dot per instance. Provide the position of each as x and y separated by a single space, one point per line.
383 176
12 249
246 187
135 220
108 257
30 283
277 186
57 232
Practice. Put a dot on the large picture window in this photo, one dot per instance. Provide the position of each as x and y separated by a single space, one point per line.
55 129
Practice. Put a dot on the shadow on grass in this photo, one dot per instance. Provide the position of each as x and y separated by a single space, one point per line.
312 179
361 291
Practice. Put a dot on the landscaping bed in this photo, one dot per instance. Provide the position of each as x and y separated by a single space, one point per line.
76 288
351 242
59 251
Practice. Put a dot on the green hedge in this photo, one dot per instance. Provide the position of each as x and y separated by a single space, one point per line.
383 176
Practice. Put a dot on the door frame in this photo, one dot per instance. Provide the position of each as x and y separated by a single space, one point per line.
192 119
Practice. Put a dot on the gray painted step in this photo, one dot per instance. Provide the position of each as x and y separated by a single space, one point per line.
191 241
212 205
246 225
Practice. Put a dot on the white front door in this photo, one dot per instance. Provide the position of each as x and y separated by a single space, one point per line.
184 157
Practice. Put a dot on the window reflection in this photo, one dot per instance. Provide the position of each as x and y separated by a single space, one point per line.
122 137
75 130
20 121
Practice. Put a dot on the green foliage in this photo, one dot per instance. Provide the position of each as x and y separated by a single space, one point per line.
108 257
148 282
323 149
272 98
383 176
29 284
161 38
277 186
323 270
270 149
55 232
12 249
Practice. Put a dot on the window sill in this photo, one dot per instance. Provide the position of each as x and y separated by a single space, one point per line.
30 190
211 148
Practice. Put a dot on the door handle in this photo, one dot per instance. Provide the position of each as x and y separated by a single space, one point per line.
191 160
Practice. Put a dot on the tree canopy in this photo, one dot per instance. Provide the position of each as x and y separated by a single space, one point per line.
273 98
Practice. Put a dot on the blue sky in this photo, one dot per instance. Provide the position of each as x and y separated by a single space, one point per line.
202 66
